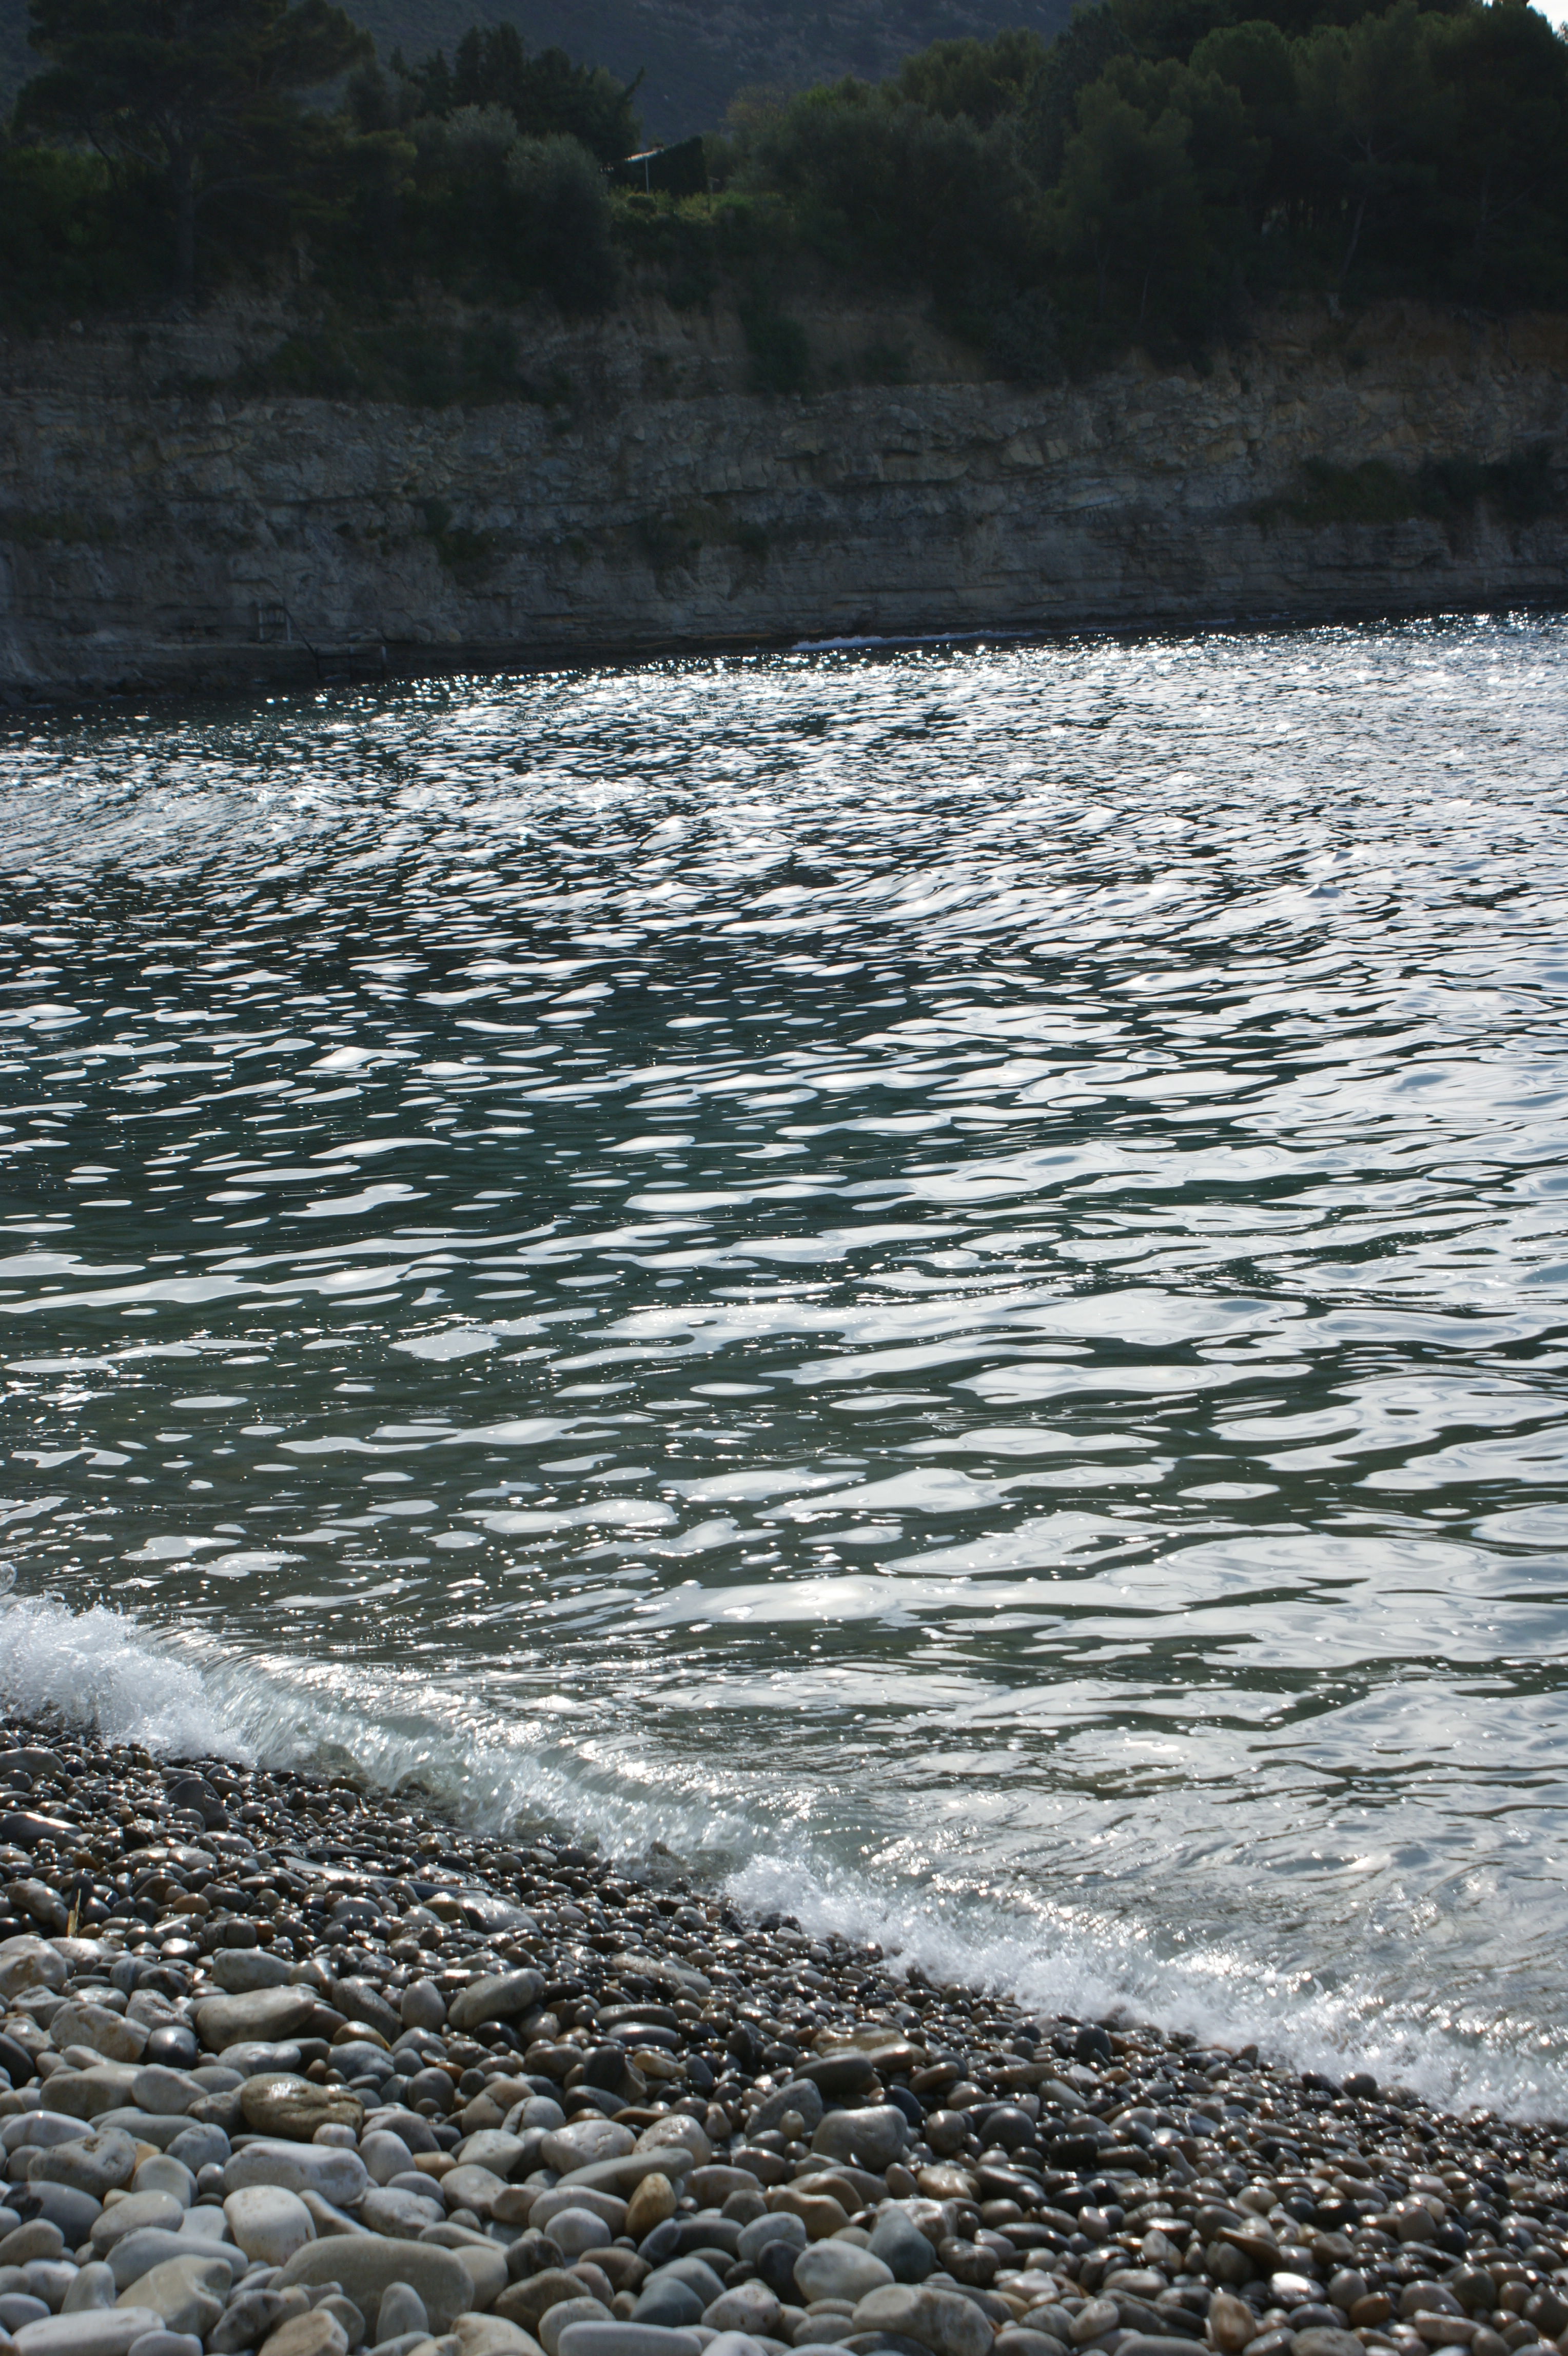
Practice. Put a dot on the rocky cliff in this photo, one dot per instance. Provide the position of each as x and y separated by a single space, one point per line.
165 519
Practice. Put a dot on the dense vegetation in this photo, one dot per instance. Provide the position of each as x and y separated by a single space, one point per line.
1155 171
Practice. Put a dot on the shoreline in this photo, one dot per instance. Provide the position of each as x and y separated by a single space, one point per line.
274 2010
410 663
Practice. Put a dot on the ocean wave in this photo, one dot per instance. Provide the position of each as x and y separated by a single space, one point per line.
180 1693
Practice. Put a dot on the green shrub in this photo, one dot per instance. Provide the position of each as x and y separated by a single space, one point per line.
1521 489
780 351
78 237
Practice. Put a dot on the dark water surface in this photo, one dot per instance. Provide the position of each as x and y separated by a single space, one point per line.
938 1276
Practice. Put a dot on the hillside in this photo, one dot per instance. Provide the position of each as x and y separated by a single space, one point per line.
693 55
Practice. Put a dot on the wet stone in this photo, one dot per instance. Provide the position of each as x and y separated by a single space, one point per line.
239 1971
294 2107
99 2332
783 2098
906 2251
187 2293
268 2223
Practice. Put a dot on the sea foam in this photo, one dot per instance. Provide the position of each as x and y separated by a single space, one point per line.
179 1693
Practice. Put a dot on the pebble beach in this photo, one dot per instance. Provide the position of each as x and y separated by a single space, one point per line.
291 2065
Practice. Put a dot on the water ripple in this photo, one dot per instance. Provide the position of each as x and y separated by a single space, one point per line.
936 1276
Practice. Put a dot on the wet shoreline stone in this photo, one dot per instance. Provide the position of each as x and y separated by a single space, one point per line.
293 2068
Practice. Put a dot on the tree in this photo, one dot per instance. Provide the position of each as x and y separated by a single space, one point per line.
1504 186
984 79
205 94
1128 202
547 96
1380 122
1155 195
881 186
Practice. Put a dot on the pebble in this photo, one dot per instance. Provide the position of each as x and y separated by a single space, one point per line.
268 2224
652 2201
943 2322
586 2140
262 2015
239 1971
317 2334
835 2269
462 2097
337 2176
281 2104
149 2247
160 2210
496 1997
577 2230
399 2310
367 2266
904 2250
163 2092
625 2340
187 2294
749 2307
563 2315
94 2164
404 2216
84 2023
94 2287
111 2332
875 2138
171 2177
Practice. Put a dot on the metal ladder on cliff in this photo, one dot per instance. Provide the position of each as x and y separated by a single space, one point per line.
355 658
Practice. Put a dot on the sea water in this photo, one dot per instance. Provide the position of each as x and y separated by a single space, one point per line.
936 1277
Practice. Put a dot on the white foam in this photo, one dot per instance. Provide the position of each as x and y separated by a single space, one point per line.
1220 1992
548 1762
915 638
97 1669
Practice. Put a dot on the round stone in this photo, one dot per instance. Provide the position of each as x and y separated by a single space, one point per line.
1231 2323
94 2287
627 2340
873 2137
423 2005
401 2311
582 2143
575 2232
166 2093
943 2322
316 2334
750 2307
187 2294
366 2266
566 2311
295 2107
138 2209
654 2200
903 2249
161 2174
834 2269
268 2224
385 2155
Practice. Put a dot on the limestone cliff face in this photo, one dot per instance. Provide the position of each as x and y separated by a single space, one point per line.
159 526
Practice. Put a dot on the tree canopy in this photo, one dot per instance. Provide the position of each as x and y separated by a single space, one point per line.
1154 175
204 95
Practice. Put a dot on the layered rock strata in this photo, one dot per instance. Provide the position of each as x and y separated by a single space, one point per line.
159 524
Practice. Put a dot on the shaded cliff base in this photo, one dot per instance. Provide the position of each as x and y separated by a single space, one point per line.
173 516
